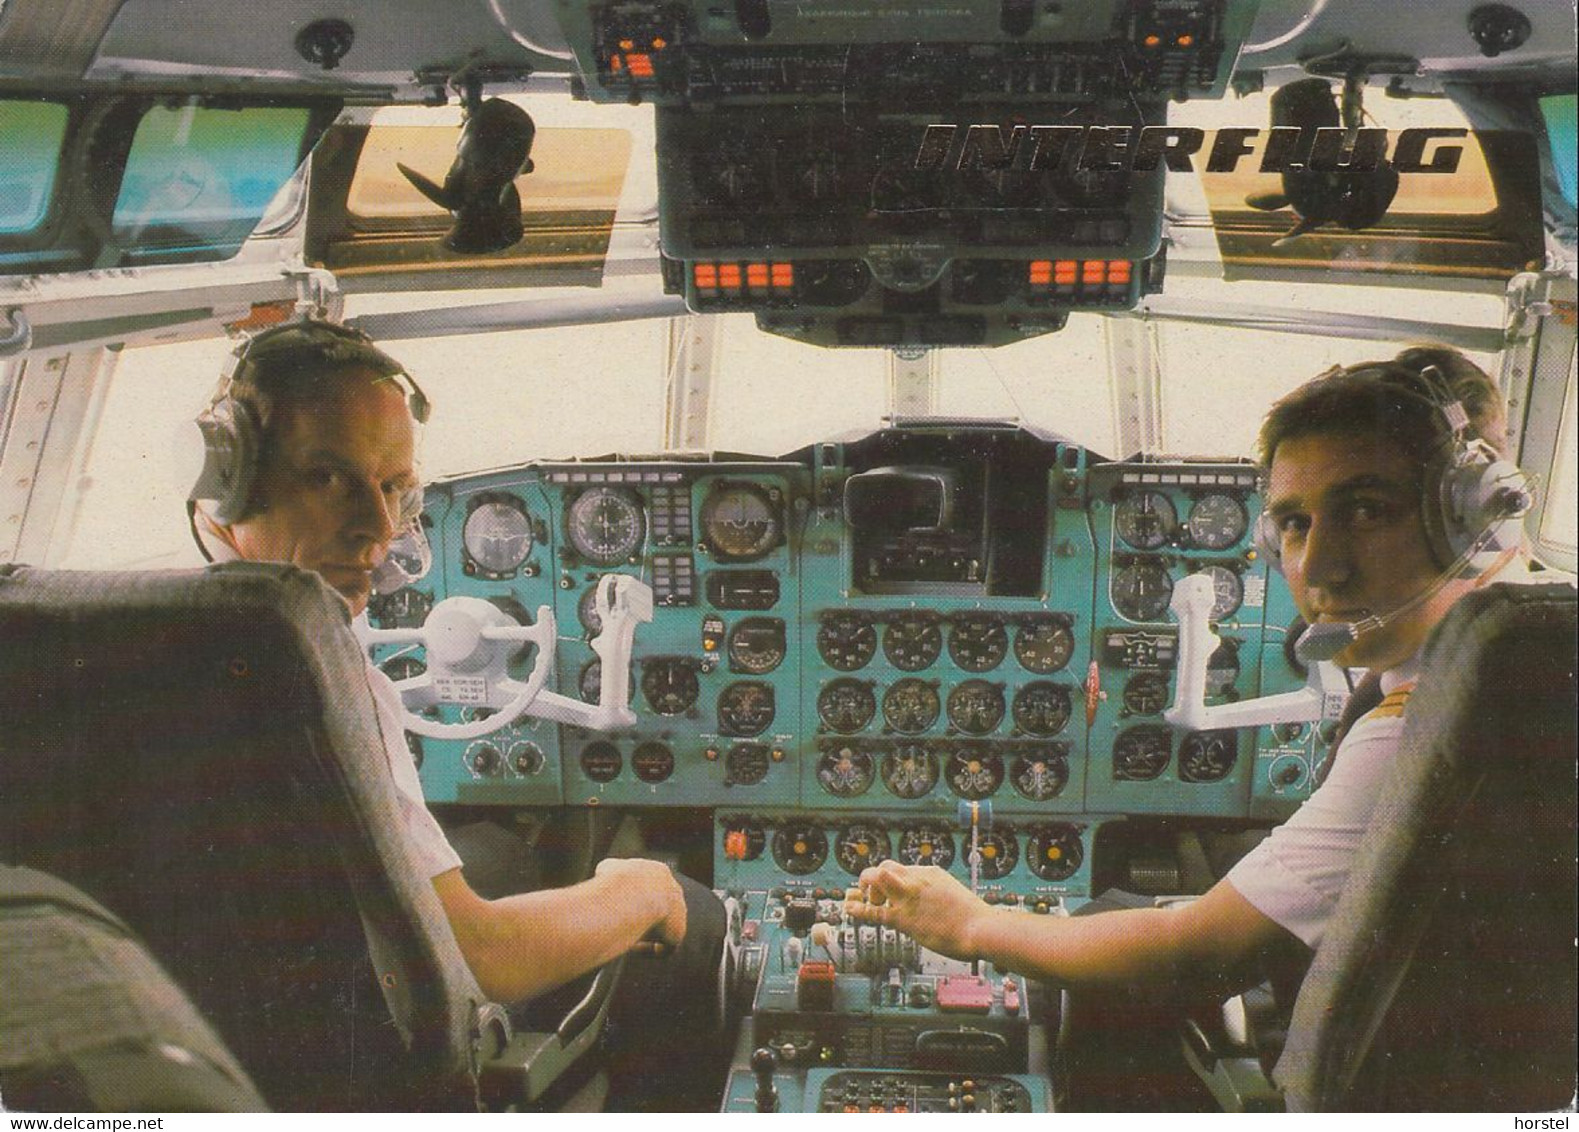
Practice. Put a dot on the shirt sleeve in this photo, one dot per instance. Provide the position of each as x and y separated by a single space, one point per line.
425 840
1296 875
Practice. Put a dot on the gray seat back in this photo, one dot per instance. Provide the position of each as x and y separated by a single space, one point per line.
1446 980
199 752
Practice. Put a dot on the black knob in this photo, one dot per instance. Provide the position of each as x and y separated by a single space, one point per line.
800 915
763 1064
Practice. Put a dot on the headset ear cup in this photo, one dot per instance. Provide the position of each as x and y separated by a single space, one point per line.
1483 504
1268 540
230 460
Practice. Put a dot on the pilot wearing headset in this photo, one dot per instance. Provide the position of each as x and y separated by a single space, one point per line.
1387 500
310 449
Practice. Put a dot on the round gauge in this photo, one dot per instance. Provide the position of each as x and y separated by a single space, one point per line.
912 641
741 521
1041 774
525 758
911 705
976 707
587 611
1142 590
1044 645
606 525
1222 669
846 705
1042 708
910 771
846 641
497 535
751 832
1217 521
974 775
670 685
926 845
998 851
590 683
601 761
403 667
978 642
1054 852
1146 693
746 764
1227 591
745 708
756 645
483 759
1207 756
652 762
1141 753
406 608
860 845
844 772
1145 519
800 849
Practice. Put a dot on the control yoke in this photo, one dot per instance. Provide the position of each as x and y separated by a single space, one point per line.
469 645
1322 697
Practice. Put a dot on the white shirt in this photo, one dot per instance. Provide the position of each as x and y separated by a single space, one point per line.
1296 875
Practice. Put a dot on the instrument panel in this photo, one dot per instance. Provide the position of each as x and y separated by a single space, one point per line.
870 634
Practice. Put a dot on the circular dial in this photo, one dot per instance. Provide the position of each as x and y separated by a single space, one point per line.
746 764
1145 519
483 759
1044 645
741 521
1146 693
926 845
860 845
756 840
800 849
525 757
587 611
1141 753
1142 590
745 708
998 852
1042 708
976 707
846 641
497 535
1228 590
591 683
911 705
669 685
1217 521
974 774
844 772
652 762
406 608
1222 669
1207 756
910 771
978 642
403 667
1054 852
1041 774
912 641
756 645
846 704
606 525
601 761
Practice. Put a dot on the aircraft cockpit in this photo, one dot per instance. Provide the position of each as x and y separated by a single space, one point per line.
838 446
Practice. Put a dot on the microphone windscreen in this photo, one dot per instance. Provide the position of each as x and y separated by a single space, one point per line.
1324 641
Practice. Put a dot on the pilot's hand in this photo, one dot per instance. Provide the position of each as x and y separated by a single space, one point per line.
652 881
923 901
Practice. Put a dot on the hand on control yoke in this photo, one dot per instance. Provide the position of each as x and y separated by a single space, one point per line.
653 883
923 901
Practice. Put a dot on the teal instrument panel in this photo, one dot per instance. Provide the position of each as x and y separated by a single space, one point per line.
877 628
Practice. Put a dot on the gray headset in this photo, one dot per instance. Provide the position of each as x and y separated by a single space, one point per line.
1472 500
233 435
